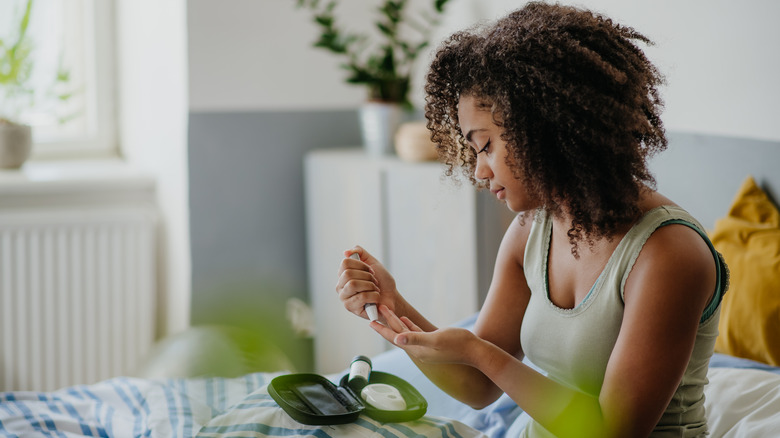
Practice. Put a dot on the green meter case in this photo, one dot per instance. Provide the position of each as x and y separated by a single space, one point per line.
312 399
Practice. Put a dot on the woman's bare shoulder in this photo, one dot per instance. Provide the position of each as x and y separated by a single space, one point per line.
516 237
675 259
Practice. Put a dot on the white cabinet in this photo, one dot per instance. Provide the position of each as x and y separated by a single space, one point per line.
436 236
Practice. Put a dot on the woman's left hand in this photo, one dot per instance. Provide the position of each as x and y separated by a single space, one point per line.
448 345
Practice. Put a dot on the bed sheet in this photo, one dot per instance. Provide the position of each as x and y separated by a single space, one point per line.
128 407
743 400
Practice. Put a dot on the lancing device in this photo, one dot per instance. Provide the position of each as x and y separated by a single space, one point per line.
370 308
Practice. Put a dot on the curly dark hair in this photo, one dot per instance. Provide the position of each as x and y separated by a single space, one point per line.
578 104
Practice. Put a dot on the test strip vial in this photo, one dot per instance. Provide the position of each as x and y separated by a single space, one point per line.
359 372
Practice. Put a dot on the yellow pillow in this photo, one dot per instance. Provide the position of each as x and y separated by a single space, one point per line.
749 239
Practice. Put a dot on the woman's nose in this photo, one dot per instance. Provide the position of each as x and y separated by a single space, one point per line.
481 170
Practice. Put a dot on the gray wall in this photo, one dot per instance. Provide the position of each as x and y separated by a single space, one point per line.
702 173
247 210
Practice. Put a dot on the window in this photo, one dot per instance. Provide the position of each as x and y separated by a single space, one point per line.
70 103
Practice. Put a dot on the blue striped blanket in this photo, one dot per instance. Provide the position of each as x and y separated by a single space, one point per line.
207 407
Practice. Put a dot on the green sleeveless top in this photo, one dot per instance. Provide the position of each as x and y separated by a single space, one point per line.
573 345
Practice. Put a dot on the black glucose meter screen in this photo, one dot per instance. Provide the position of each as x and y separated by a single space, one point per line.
321 400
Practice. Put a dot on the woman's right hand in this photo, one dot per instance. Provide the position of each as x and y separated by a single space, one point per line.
365 281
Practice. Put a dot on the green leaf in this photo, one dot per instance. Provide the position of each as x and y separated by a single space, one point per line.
324 20
439 5
67 118
392 10
388 60
25 20
330 41
385 29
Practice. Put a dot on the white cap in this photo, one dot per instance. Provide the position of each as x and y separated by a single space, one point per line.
373 315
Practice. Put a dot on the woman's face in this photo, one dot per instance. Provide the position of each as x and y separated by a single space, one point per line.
484 136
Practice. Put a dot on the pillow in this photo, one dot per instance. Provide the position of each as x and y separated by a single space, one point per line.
749 239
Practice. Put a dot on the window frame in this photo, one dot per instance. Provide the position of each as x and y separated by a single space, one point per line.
100 139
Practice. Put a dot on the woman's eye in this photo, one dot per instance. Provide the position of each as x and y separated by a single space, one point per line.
484 149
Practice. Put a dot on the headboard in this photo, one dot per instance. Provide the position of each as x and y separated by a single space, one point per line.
702 173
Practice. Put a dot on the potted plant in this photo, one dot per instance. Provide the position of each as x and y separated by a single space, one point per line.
382 61
15 69
17 92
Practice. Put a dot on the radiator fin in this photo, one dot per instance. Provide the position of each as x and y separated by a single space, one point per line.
77 297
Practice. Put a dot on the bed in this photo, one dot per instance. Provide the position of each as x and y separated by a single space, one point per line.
742 397
743 400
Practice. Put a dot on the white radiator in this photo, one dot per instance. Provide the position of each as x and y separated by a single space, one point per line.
77 294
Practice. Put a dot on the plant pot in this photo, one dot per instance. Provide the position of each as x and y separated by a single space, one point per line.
379 122
15 145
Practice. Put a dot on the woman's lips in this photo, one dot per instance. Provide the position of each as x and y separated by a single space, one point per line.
500 193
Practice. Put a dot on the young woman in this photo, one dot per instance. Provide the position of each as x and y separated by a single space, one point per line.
602 282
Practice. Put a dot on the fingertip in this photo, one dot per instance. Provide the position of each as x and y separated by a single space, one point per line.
401 339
